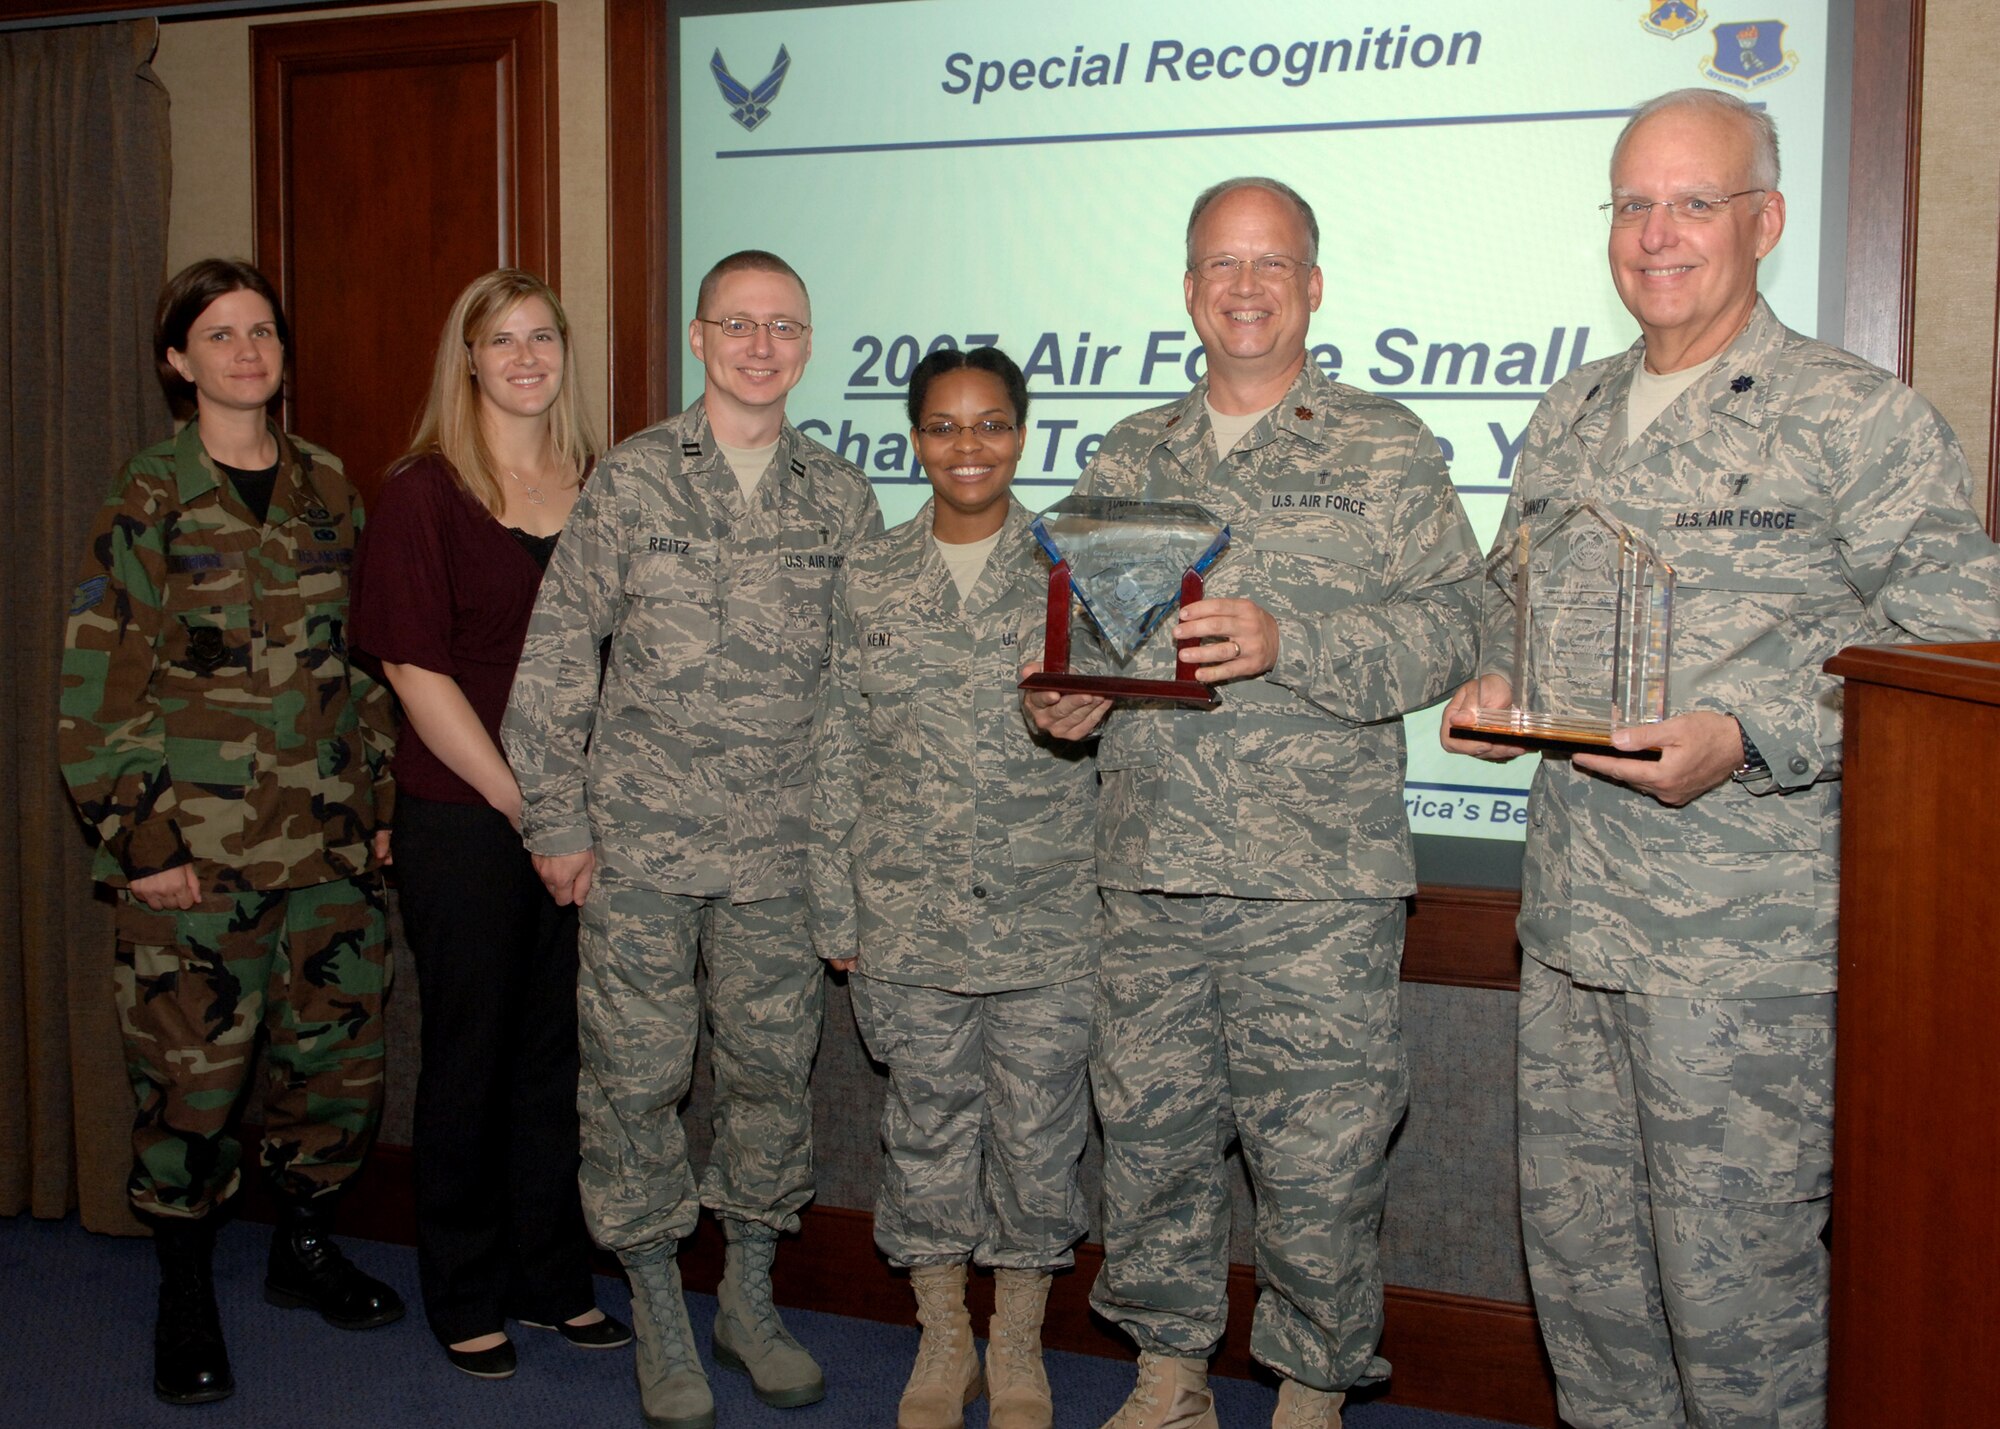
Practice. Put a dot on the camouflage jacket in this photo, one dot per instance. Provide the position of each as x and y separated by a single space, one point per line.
687 766
209 712
951 846
1343 526
1806 501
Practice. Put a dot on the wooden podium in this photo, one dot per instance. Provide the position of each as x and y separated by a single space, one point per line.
1916 1201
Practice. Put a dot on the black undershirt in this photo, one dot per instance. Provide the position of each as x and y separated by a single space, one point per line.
540 547
255 487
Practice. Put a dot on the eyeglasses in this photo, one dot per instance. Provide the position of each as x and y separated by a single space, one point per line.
1691 208
989 431
783 329
1222 267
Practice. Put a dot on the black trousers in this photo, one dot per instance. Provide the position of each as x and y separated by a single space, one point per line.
499 1227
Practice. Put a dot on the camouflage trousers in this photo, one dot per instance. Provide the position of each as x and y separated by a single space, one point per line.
984 1123
638 1019
308 967
1279 1020
1676 1173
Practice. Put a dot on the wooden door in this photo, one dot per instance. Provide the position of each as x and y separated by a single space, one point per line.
397 158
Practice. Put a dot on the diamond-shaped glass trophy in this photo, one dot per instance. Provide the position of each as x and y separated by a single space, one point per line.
1589 604
1130 563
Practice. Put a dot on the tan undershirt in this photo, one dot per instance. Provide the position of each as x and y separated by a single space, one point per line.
1228 427
1651 394
966 559
749 464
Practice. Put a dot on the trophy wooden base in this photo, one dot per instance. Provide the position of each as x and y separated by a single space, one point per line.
1183 689
1115 687
1552 734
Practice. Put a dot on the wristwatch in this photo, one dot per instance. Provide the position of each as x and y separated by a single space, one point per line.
1754 765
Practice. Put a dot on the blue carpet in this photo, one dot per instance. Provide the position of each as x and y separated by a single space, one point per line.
78 1351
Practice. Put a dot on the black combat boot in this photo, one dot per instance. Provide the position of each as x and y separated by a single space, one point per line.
190 1363
308 1272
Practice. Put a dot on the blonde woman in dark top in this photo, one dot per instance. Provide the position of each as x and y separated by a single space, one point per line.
443 588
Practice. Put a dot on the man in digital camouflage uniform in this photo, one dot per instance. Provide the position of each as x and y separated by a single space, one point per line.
1677 998
1254 858
234 768
671 802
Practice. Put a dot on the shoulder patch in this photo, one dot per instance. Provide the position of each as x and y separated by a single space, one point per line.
88 593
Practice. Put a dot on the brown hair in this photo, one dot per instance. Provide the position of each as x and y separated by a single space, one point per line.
750 260
185 298
450 426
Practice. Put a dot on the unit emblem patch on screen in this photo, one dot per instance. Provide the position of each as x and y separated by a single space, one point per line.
1673 18
1749 53
750 107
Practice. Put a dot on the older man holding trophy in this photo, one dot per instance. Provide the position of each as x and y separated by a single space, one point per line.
1696 525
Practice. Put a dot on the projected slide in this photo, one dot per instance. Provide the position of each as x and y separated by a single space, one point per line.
959 173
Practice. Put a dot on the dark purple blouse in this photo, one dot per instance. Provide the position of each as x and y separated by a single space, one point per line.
438 583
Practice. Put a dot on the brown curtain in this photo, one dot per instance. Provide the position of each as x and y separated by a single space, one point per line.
84 173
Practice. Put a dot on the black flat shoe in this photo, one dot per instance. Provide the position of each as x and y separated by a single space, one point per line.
499 1362
606 1334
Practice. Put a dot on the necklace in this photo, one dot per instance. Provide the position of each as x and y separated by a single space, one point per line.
533 493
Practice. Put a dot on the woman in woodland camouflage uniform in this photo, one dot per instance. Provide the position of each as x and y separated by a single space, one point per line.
234 767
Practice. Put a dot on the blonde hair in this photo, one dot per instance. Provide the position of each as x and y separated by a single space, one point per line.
450 426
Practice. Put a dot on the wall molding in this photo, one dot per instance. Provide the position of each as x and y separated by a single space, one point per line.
1463 937
1459 1354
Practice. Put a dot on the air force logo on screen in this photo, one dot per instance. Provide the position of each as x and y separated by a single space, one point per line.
1673 18
750 107
1749 53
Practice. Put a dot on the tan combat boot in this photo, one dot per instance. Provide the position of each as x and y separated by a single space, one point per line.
673 1392
1017 1387
1303 1408
1171 1394
946 1377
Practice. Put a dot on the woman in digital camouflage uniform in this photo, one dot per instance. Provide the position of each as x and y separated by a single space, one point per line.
951 872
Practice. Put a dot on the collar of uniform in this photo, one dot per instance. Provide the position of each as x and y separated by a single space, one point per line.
196 472
1735 387
699 453
930 581
1013 552
1307 406
1187 428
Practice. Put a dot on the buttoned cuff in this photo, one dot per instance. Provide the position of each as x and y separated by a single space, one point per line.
149 848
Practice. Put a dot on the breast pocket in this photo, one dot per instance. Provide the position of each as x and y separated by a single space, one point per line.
671 622
208 646
1732 590
1313 564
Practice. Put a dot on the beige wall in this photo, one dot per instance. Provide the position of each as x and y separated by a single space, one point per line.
205 65
1958 220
